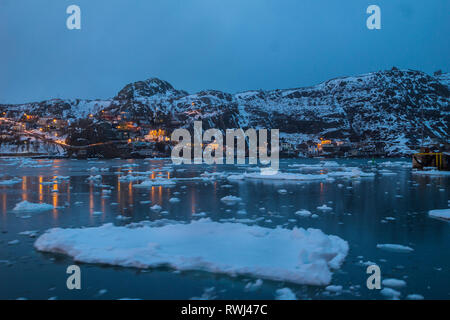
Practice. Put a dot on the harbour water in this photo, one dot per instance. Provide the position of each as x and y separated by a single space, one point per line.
389 208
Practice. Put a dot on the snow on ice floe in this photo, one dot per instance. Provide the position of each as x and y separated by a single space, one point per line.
334 288
394 248
253 286
298 256
440 214
155 182
286 176
414 297
26 206
324 208
10 182
230 200
285 294
393 283
348 173
390 293
303 213
432 173
174 200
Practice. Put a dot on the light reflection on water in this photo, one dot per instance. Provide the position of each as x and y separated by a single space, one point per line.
359 211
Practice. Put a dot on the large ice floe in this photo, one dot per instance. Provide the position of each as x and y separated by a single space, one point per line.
348 173
298 256
431 173
443 214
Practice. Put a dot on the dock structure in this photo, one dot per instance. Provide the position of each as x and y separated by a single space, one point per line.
438 160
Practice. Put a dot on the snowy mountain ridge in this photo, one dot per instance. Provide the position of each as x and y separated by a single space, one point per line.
391 106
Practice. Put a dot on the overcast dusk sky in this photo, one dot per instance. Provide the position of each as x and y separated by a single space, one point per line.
229 45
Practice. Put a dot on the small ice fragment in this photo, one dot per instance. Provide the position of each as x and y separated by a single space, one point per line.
252 286
390 293
30 206
394 247
156 208
333 288
174 200
102 292
303 213
230 200
324 208
285 294
414 297
393 283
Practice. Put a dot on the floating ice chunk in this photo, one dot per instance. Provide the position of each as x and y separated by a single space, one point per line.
363 174
286 176
282 191
307 257
26 206
329 164
156 208
432 173
390 293
385 172
440 214
285 294
303 213
155 182
94 178
353 173
208 294
394 247
199 214
13 242
324 208
123 218
31 234
367 263
235 177
174 200
145 202
102 292
394 283
230 200
333 288
253 286
414 297
10 182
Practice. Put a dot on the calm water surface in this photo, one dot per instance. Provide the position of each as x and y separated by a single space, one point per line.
360 208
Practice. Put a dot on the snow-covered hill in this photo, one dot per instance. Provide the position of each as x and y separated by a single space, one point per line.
393 106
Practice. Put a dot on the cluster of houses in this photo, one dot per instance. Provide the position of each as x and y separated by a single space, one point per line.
137 129
146 137
333 149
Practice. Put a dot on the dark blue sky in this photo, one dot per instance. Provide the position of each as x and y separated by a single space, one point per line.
230 45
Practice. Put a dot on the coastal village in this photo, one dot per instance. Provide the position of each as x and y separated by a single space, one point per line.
140 138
